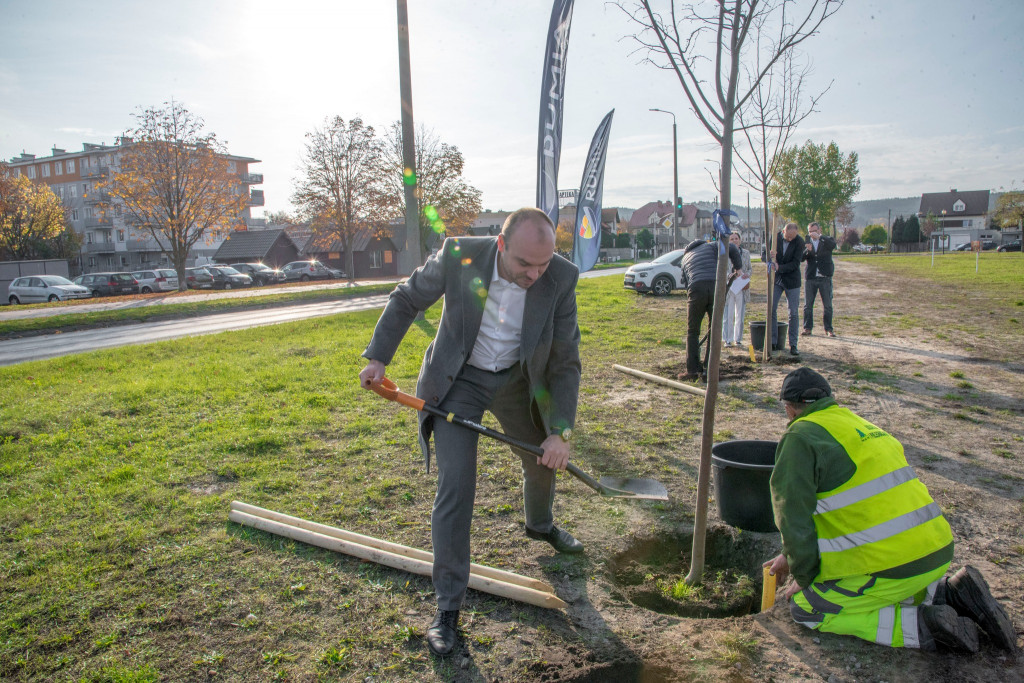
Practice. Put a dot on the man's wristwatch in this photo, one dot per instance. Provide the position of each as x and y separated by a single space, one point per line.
565 433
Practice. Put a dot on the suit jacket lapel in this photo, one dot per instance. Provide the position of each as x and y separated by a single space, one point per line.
473 279
540 297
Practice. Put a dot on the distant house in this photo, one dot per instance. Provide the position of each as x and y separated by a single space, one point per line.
374 253
272 247
488 222
657 217
960 216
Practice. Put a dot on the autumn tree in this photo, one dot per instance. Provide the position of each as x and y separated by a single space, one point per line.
174 183
813 181
448 204
849 239
31 215
845 215
343 186
279 218
1010 209
563 237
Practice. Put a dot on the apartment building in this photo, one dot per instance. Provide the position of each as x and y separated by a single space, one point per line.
107 241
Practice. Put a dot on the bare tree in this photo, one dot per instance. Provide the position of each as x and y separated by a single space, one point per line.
448 203
680 39
775 108
174 182
342 187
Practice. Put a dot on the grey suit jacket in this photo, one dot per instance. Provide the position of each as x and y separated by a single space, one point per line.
461 272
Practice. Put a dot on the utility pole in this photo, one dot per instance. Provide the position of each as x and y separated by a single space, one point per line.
675 181
409 259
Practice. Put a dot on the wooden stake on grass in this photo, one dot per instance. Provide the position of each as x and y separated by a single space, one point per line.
660 380
396 548
395 561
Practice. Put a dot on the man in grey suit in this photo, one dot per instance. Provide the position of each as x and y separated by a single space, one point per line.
507 342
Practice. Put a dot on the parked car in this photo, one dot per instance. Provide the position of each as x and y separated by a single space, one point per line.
38 288
198 278
305 271
160 280
108 284
336 274
966 246
260 273
1009 246
659 276
226 277
988 245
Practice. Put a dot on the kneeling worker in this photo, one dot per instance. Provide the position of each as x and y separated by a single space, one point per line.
866 544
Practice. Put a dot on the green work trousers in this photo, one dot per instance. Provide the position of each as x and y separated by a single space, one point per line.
880 610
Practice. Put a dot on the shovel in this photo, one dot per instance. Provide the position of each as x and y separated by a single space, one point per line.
613 487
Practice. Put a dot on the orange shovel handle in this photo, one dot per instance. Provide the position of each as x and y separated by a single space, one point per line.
389 390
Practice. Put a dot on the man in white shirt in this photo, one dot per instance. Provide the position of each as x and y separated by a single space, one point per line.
508 343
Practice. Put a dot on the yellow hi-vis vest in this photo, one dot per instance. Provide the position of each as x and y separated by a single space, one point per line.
883 516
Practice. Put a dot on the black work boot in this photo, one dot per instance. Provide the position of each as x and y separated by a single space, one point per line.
941 628
443 632
968 593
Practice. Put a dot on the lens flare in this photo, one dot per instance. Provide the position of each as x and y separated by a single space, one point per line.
409 176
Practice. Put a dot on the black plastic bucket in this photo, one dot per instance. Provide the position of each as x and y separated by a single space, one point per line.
757 335
742 473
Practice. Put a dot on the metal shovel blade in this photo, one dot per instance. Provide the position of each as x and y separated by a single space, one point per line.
633 488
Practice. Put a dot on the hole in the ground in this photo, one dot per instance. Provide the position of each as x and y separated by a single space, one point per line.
626 672
651 573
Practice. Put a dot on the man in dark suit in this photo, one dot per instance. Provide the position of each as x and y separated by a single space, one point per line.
818 277
507 342
788 255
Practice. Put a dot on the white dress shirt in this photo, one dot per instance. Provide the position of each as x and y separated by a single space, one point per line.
501 328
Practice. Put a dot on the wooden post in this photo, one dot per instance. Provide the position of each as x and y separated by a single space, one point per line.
398 549
395 561
660 380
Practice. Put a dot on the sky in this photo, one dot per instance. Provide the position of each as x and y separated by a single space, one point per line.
929 93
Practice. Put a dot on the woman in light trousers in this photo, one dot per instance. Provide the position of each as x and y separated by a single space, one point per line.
736 302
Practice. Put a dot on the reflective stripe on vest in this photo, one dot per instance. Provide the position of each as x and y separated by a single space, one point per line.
883 516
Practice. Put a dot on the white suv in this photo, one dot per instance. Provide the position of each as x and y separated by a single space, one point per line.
161 280
660 276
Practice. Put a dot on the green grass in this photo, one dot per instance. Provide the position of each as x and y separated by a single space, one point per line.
1002 274
184 309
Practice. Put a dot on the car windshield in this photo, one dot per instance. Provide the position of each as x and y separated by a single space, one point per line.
228 270
669 257
55 280
260 266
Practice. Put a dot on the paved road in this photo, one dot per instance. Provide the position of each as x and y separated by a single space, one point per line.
52 345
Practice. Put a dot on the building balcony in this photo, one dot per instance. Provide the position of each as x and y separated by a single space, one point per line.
95 172
252 178
98 248
256 198
107 223
96 197
144 244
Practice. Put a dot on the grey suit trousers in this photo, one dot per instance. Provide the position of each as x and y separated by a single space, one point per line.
506 395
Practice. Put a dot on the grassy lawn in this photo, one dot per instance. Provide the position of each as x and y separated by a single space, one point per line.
117 467
182 307
999 273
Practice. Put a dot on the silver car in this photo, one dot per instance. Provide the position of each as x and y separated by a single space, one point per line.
39 288
161 280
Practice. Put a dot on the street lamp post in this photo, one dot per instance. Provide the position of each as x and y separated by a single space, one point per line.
675 180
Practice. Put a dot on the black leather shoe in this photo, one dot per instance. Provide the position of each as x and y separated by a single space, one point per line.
941 628
793 351
443 632
560 539
968 593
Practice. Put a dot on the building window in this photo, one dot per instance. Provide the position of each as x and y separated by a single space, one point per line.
88 238
92 262
232 168
959 205
74 214
60 192
72 190
85 190
46 170
375 259
120 235
124 261
57 166
31 172
88 212
71 165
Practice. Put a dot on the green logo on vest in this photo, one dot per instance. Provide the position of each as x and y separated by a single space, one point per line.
862 434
